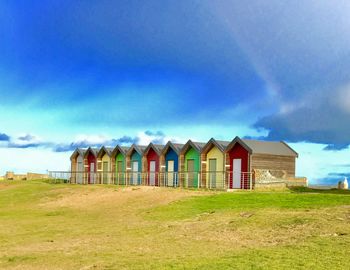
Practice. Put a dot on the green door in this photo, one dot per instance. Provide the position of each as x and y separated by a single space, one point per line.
120 173
105 172
120 169
191 173
192 162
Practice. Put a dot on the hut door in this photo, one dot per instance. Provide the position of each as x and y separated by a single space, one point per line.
152 173
212 173
105 172
120 166
135 169
171 173
120 178
237 171
92 173
190 172
80 170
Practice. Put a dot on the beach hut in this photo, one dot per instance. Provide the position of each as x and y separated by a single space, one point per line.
190 162
77 166
213 164
90 164
104 165
134 164
119 157
169 160
245 156
151 163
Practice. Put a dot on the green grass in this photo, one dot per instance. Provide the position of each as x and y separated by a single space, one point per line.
60 226
243 201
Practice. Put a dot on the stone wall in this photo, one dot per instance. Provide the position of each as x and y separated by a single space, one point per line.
33 176
297 182
268 176
28 176
274 177
270 186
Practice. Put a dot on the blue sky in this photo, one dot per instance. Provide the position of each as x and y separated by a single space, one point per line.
75 73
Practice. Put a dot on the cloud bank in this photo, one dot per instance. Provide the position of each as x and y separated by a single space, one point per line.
85 141
322 119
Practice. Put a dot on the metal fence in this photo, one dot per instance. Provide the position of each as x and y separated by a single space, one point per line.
200 180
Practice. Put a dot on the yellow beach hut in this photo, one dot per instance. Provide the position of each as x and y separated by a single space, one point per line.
104 165
213 164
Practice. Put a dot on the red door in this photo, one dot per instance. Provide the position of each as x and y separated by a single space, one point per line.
91 168
153 167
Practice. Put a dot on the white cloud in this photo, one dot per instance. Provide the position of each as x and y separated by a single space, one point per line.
91 139
315 163
146 137
32 160
26 139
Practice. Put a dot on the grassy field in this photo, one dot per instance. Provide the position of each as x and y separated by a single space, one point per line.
46 226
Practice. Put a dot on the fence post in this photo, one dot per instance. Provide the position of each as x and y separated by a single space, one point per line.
250 182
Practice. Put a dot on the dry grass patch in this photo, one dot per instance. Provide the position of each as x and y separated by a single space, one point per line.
99 196
4 185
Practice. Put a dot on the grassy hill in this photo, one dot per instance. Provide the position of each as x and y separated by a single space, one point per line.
46 226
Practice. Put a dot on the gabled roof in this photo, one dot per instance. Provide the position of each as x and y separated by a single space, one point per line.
94 151
195 145
138 148
175 146
221 145
178 146
78 151
264 147
120 149
104 150
199 145
156 147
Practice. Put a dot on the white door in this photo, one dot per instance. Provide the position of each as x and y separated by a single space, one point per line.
237 170
135 169
80 169
152 174
170 173
92 173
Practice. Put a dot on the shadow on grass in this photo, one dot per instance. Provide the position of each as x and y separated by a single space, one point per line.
54 181
322 191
